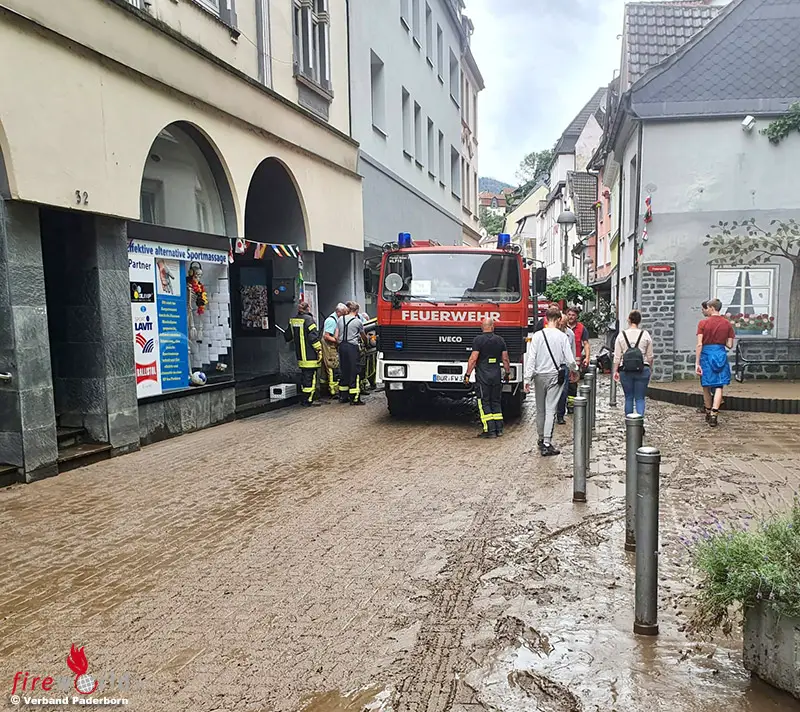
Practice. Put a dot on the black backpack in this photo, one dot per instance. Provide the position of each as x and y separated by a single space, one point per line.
633 358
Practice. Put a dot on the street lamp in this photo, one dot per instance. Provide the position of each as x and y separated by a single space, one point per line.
567 219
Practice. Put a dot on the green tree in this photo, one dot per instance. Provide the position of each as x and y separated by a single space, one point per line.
568 289
535 166
745 243
492 223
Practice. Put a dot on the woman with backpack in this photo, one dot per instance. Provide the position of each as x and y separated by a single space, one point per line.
633 363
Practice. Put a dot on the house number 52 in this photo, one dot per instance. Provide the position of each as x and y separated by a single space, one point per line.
81 197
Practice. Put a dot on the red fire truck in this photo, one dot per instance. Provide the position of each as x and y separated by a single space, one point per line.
431 301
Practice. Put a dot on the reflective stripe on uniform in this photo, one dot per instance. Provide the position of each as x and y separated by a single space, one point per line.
356 392
484 418
313 388
492 360
299 323
333 385
309 364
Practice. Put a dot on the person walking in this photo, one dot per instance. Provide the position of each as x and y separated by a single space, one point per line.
330 352
715 337
488 351
349 335
569 380
633 363
548 351
583 349
303 333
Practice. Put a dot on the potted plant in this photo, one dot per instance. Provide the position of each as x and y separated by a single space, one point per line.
754 571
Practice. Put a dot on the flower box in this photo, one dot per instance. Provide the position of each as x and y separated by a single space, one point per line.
752 324
772 648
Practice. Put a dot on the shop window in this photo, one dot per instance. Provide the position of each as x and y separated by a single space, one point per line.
311 39
177 181
180 312
748 298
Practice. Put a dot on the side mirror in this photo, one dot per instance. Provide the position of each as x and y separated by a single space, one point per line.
540 280
367 280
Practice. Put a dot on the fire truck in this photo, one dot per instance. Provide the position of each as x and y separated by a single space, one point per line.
431 301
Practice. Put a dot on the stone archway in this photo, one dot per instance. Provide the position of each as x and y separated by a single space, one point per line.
264 290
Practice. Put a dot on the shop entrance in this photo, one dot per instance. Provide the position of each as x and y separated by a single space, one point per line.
264 282
75 327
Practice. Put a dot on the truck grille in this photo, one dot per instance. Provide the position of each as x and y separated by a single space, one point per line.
423 343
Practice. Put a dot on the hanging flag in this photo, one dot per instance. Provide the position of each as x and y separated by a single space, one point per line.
230 252
241 246
261 248
648 212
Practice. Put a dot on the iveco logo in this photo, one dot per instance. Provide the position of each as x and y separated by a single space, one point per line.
450 339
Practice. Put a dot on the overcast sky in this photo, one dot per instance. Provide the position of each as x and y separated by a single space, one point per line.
541 60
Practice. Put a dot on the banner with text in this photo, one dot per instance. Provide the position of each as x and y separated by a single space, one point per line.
159 312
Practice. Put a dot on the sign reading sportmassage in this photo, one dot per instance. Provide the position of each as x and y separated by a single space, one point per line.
159 310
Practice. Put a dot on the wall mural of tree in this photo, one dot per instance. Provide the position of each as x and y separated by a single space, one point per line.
746 244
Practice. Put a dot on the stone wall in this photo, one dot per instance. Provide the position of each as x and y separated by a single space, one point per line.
162 419
684 368
657 304
27 420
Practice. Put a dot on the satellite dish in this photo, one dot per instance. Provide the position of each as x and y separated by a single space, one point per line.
393 282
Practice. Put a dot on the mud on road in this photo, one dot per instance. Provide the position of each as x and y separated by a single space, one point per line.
343 560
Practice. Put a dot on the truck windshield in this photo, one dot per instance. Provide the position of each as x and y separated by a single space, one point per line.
455 277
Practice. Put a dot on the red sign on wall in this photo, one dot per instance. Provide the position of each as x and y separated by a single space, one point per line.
659 269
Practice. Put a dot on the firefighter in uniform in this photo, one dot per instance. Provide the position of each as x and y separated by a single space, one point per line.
308 349
350 335
488 351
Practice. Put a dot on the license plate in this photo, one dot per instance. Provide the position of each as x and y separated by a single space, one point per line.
447 378
395 386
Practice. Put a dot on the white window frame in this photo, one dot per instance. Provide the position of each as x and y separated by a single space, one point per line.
312 62
718 292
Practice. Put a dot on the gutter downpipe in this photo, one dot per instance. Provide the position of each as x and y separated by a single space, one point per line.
639 165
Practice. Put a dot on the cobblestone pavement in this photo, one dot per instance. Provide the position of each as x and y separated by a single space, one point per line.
331 559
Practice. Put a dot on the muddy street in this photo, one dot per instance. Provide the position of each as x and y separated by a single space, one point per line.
342 560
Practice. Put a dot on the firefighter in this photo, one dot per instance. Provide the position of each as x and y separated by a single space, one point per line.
488 351
308 349
330 353
350 336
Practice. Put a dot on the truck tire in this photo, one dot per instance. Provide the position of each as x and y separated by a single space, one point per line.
399 403
512 404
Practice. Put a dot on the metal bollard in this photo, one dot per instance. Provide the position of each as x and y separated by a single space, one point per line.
634 424
585 391
612 396
580 456
645 615
591 381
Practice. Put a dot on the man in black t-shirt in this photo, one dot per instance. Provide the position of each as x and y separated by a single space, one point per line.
488 351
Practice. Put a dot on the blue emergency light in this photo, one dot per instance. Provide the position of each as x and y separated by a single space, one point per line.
404 239
503 240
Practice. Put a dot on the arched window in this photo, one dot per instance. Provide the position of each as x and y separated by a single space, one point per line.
178 186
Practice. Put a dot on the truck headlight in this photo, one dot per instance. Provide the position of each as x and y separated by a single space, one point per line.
396 371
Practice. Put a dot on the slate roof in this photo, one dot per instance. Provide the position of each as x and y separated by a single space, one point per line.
655 30
568 140
747 61
583 189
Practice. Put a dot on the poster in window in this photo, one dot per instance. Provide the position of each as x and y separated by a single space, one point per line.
254 296
160 308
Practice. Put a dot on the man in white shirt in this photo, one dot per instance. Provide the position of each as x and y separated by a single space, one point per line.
548 351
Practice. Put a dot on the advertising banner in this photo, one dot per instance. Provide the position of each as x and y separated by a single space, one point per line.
159 312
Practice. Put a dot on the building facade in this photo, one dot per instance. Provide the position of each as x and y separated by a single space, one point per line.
472 85
174 174
406 93
687 141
